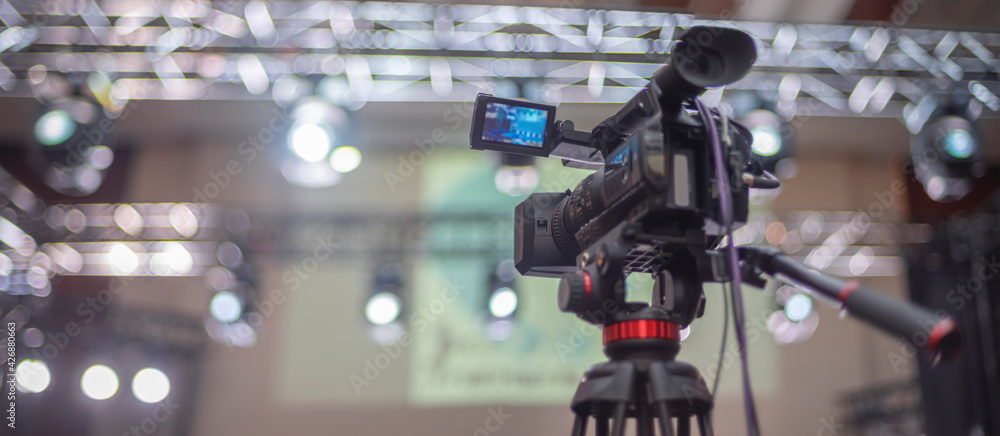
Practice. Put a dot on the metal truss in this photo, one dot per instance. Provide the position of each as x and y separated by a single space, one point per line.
842 243
406 52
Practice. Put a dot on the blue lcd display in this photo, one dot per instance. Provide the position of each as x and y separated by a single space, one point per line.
518 125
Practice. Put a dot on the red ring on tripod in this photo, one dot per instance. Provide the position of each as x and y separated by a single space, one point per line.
641 329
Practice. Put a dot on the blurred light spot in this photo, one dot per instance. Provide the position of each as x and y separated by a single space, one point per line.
87 179
173 259
383 308
238 222
959 144
128 219
37 277
219 278
32 376
775 233
310 142
516 181
6 265
33 337
150 385
935 188
345 159
99 382
786 331
122 259
229 254
67 257
54 127
861 260
503 302
766 140
226 307
812 227
100 157
792 243
685 332
74 220
183 220
798 307
252 72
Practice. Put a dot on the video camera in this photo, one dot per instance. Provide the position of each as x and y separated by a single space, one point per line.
653 163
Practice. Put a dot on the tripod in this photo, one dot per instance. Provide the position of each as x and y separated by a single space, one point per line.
642 381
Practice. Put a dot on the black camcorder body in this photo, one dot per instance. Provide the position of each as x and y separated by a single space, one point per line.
653 162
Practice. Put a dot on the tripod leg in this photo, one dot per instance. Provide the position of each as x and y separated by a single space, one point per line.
705 424
602 426
683 426
580 425
643 417
618 419
666 426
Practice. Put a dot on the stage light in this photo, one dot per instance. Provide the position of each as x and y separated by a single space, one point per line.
383 308
99 382
798 307
54 127
226 307
32 376
345 159
319 127
72 137
766 141
947 155
503 302
772 141
311 142
959 144
150 385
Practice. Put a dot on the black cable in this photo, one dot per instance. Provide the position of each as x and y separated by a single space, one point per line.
722 347
722 180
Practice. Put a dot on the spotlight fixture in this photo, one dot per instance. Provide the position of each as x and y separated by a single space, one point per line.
32 376
150 385
99 382
772 140
501 301
316 140
72 137
947 154
385 305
